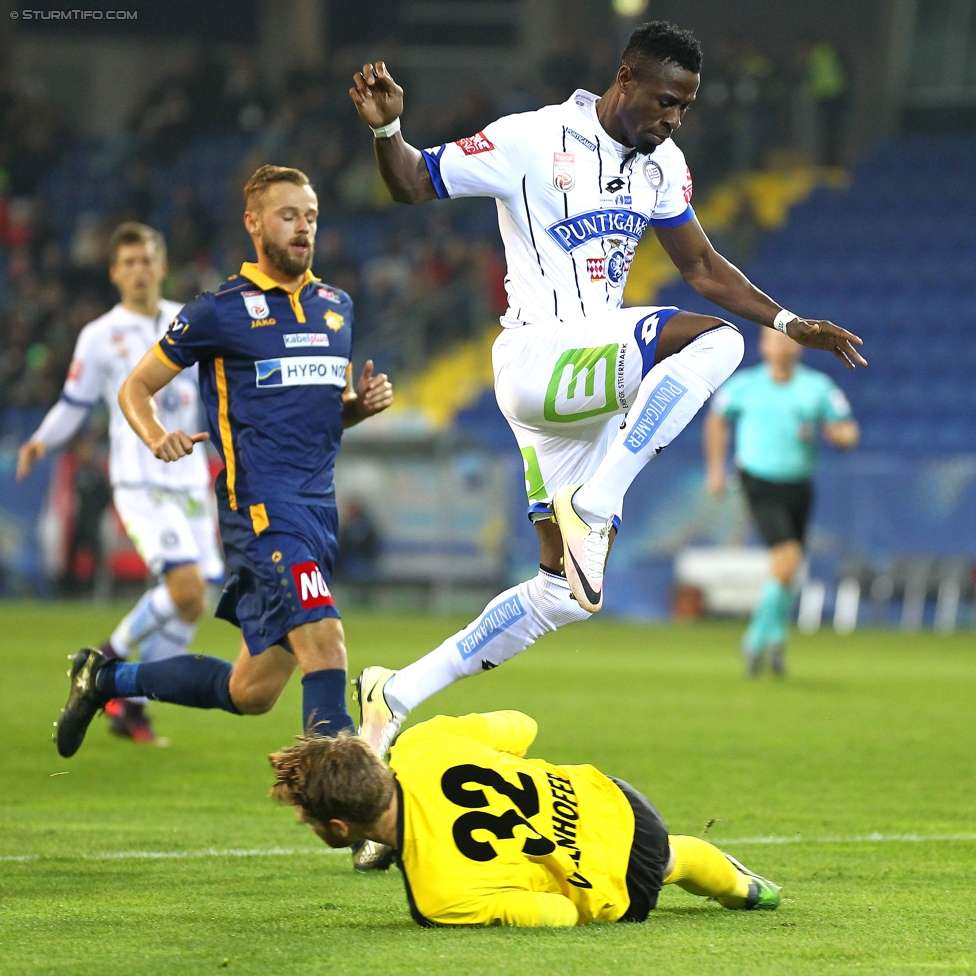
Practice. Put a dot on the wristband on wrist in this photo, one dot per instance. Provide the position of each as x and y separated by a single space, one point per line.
385 131
783 319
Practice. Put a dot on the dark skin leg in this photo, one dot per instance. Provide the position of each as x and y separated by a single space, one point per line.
676 333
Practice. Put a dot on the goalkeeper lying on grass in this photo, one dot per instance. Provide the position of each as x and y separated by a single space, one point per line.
486 837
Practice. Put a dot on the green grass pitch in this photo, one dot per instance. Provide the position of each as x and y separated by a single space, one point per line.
870 735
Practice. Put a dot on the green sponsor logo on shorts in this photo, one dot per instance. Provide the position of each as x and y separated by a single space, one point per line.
582 385
535 487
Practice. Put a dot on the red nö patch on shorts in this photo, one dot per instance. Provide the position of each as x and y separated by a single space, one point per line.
312 591
478 143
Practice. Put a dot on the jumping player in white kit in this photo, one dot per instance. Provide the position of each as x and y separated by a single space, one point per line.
591 390
167 509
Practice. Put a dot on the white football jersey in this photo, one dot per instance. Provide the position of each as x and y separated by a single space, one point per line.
572 204
106 352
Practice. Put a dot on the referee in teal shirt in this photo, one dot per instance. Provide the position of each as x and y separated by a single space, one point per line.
777 408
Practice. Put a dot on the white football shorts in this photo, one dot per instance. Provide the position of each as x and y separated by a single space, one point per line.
172 527
563 388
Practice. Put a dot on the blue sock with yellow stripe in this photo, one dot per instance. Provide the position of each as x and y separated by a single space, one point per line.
324 702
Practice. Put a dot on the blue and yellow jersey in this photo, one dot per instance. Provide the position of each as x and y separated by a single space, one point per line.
487 837
273 368
776 424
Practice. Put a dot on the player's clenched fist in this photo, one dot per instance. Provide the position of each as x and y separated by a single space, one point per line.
176 445
378 98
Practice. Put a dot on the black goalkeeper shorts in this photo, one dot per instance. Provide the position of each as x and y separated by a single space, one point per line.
649 855
781 509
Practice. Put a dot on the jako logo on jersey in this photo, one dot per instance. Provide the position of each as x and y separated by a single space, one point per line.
659 405
573 232
256 304
653 174
301 371
581 139
296 339
312 591
472 145
564 171
328 294
495 621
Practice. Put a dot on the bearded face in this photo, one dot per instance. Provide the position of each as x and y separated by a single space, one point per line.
292 258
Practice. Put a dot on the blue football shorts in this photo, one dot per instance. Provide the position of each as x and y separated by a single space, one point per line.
279 572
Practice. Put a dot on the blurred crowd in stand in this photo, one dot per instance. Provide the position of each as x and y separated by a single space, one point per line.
422 278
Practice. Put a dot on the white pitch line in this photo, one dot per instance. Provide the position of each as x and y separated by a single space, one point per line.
315 851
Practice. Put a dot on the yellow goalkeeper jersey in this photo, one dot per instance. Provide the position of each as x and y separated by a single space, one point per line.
487 837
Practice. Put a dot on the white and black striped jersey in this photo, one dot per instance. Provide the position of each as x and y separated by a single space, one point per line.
572 204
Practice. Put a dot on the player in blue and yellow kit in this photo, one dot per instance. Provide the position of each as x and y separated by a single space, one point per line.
487 837
274 346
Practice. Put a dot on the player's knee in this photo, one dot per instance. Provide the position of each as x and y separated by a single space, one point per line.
188 590
252 699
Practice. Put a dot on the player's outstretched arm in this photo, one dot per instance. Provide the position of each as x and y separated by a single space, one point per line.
718 280
136 400
371 395
379 101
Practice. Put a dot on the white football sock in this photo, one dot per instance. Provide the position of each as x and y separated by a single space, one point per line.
668 398
154 609
173 638
513 621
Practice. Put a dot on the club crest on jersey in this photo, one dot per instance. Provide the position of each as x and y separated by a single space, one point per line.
564 171
311 586
333 320
653 174
256 304
472 145
616 266
573 232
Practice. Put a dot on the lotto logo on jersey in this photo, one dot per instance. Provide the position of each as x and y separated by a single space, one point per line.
472 145
256 304
595 269
564 171
312 591
301 371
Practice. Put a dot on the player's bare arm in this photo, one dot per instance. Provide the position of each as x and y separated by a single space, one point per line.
842 434
136 400
718 280
379 101
716 438
371 395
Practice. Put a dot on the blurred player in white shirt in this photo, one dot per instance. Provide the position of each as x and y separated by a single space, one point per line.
592 390
167 509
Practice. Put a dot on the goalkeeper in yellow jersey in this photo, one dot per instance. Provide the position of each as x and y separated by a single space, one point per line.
486 837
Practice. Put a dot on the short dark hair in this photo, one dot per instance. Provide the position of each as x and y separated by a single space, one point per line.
132 232
265 176
661 41
332 779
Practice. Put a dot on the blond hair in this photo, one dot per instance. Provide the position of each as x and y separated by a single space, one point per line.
267 175
332 779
